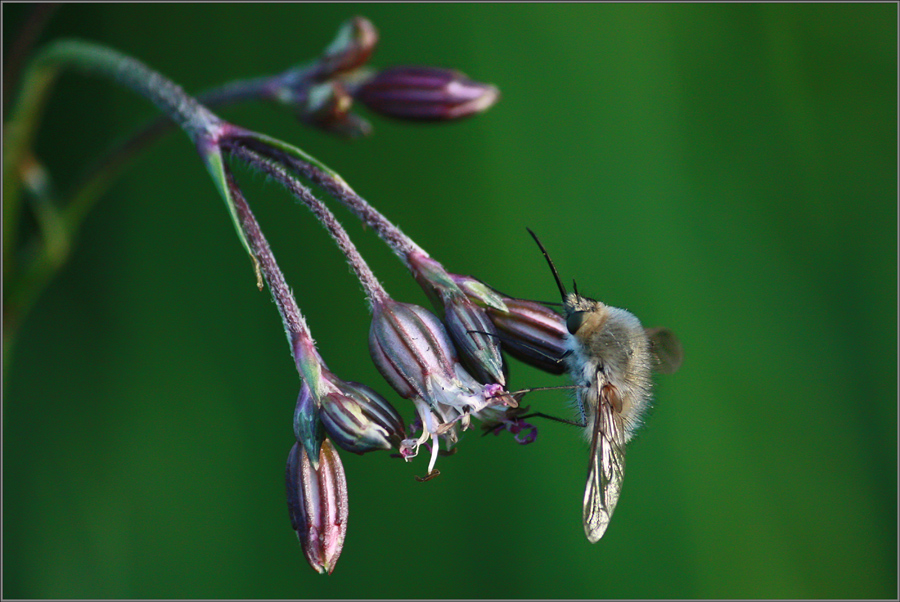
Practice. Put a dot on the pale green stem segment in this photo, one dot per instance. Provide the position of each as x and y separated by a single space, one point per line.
212 157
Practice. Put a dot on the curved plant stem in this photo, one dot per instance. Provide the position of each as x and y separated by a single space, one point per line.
24 283
374 290
38 81
197 121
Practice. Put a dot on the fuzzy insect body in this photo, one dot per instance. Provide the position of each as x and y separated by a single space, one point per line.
610 359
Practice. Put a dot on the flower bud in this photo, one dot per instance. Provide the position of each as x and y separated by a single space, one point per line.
468 325
351 48
475 338
317 505
425 94
409 345
531 333
307 427
479 292
413 352
360 420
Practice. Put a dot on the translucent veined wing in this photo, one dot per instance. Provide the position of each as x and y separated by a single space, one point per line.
607 465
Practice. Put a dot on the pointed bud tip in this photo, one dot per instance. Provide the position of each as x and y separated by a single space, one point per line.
352 46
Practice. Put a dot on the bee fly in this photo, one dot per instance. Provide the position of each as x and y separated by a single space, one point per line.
610 357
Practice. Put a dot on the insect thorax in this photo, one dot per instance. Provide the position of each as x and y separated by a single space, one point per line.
611 347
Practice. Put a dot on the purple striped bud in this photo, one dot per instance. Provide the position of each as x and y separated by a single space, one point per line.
412 351
532 333
476 339
358 419
425 94
408 344
317 505
467 324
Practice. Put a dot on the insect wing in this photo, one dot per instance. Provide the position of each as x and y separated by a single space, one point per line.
607 466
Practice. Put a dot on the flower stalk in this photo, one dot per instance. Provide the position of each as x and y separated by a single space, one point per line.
409 345
469 326
415 352
321 92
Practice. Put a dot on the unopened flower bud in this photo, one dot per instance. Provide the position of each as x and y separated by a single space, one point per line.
351 48
360 420
467 324
476 339
413 352
317 504
408 345
425 94
532 333
479 292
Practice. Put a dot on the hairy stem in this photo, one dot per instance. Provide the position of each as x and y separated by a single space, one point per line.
401 244
302 345
373 288
33 277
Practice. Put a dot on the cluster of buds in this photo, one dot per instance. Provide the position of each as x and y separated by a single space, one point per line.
448 363
411 347
451 367
324 93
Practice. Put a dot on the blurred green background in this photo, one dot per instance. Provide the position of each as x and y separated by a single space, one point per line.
728 171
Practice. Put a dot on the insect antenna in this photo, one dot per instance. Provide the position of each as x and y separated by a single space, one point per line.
562 289
575 288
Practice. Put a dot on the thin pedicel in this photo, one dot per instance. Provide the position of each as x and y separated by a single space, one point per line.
408 344
321 93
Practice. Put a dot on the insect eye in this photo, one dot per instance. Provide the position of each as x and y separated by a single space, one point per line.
574 321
